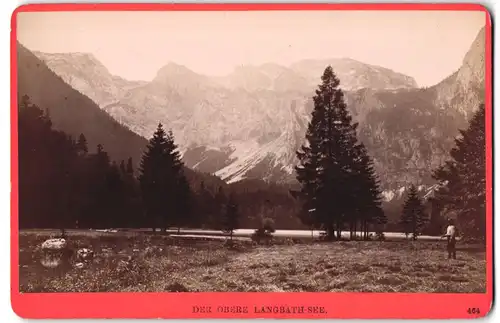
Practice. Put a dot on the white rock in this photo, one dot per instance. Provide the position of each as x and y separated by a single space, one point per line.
85 253
54 244
79 265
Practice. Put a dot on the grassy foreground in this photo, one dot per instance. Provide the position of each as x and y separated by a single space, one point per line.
139 262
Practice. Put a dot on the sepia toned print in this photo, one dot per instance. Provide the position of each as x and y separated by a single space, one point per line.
252 151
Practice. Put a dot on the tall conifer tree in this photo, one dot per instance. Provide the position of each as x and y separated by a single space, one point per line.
367 195
463 179
165 190
327 161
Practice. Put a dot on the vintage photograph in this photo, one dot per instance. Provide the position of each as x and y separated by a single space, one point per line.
252 151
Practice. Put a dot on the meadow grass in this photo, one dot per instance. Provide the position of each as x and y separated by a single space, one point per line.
137 262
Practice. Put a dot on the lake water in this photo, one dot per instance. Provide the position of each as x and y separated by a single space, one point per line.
300 233
245 233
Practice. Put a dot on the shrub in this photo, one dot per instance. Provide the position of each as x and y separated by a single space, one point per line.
261 235
264 231
267 224
380 236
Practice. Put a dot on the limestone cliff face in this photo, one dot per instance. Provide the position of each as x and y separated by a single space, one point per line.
88 76
250 123
73 112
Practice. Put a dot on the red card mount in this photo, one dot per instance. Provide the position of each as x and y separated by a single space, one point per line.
49 299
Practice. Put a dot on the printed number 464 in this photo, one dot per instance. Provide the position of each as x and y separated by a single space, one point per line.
473 310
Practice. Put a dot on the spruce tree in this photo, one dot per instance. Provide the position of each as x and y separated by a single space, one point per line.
463 179
98 171
183 204
102 160
130 167
123 171
367 195
180 192
220 200
413 217
62 179
327 160
82 182
114 198
231 216
153 177
132 195
437 222
206 207
81 145
165 190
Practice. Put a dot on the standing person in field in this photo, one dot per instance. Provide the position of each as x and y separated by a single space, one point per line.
451 235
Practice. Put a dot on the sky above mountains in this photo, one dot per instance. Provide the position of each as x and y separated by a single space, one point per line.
427 45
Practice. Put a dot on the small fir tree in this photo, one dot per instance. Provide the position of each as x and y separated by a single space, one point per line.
81 145
123 171
413 217
231 216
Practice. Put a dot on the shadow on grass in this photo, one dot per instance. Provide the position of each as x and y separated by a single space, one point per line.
471 248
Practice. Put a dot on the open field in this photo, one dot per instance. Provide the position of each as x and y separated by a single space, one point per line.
140 262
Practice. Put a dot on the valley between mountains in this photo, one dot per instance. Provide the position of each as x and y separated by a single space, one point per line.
249 124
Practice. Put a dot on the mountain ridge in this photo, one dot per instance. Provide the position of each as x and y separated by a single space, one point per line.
75 113
249 124
71 112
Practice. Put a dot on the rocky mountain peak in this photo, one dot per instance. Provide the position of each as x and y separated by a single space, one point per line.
473 65
172 69
181 78
249 123
75 59
354 75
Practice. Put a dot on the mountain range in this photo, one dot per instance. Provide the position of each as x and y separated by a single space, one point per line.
249 124
75 113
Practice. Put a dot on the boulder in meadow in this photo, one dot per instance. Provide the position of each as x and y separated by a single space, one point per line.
54 244
54 253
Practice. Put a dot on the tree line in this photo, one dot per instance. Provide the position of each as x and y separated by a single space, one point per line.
461 191
65 185
340 190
